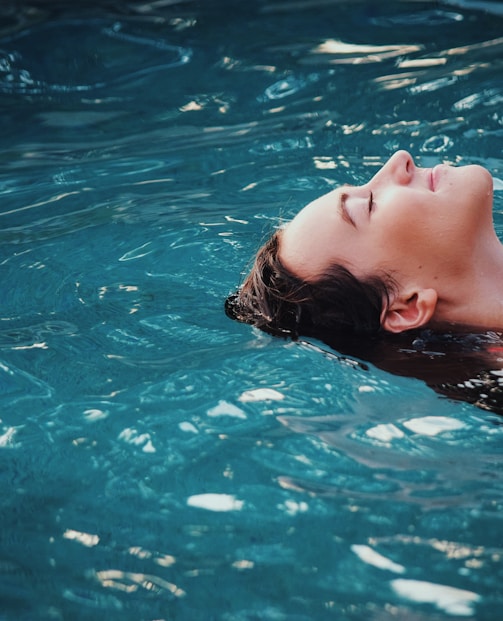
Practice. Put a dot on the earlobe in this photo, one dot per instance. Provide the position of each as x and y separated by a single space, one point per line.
409 311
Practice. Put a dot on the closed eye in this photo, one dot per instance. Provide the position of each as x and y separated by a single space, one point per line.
371 202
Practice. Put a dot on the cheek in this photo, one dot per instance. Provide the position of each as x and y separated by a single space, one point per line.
403 240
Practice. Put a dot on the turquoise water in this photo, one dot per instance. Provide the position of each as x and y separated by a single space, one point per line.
158 461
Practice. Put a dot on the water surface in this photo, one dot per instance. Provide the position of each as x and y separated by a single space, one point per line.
159 461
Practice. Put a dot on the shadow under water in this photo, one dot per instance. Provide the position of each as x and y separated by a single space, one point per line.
465 366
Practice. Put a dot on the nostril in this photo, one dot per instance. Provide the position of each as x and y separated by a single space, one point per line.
410 166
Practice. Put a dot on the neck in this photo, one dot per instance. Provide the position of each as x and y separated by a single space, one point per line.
475 296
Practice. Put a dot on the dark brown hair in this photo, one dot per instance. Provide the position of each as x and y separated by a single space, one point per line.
277 301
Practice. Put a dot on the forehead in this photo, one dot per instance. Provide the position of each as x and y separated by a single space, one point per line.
323 206
305 241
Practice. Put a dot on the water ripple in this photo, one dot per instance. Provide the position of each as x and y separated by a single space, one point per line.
19 385
34 335
429 18
487 97
22 73
437 144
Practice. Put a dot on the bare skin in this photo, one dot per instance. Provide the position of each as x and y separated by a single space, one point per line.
430 229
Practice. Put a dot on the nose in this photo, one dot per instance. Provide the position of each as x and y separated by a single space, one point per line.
398 169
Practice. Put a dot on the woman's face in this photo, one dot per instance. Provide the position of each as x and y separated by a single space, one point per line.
406 221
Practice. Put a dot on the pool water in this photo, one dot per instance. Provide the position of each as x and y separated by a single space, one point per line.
159 461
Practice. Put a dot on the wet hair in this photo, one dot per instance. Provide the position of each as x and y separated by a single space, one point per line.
277 301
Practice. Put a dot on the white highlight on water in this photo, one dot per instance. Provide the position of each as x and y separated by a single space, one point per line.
187 427
261 394
371 557
224 408
433 425
449 599
384 432
7 438
215 502
86 539
131 436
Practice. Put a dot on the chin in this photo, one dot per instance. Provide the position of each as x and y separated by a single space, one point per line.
483 176
477 180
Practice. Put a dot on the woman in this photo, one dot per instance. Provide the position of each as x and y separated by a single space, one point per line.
413 247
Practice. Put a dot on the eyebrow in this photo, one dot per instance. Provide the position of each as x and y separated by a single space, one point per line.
343 210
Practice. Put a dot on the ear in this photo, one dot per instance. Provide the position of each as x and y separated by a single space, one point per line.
411 310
